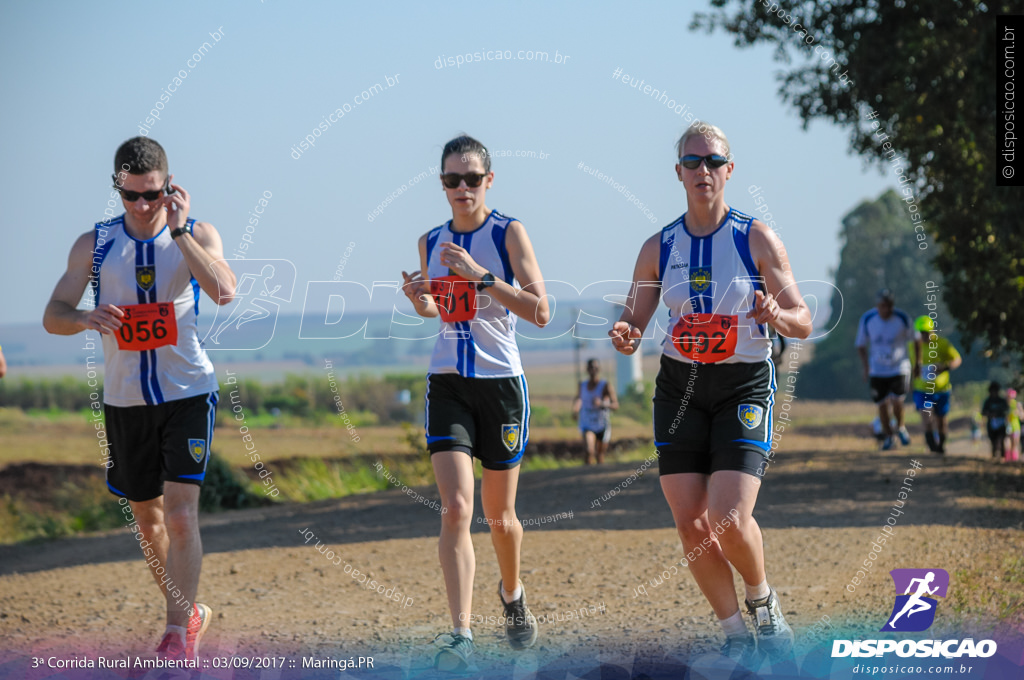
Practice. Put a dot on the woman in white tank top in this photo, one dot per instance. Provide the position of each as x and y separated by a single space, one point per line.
725 278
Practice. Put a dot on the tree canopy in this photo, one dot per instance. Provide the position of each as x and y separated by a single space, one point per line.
925 73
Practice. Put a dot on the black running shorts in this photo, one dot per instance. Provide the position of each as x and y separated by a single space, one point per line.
150 445
488 418
883 388
711 417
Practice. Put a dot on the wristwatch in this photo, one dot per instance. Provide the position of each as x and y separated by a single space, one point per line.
175 233
486 281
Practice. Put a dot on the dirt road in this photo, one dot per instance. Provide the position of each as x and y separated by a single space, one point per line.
606 581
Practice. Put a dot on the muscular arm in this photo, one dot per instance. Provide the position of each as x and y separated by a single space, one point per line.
642 300
204 254
529 302
794 318
62 316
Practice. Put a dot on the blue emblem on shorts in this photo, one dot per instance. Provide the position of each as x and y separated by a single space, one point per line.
510 436
197 447
750 415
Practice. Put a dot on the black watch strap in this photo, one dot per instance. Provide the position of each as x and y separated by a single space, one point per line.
486 281
175 233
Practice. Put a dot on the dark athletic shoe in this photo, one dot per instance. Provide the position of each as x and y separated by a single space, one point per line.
520 624
455 655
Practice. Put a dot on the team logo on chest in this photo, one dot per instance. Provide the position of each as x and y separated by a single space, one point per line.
197 448
700 279
145 276
750 415
510 436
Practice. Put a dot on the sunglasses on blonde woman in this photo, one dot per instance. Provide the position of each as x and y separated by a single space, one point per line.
693 162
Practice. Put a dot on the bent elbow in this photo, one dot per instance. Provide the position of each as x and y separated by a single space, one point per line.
225 298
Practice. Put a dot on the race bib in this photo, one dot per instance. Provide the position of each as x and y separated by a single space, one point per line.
147 326
705 338
455 297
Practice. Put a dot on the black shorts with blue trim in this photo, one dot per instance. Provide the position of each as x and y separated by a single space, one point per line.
488 418
711 417
153 444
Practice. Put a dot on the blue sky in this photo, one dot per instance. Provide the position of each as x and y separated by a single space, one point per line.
81 77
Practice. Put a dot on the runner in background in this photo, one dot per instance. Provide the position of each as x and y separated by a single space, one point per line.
996 411
594 399
882 337
146 269
933 357
1013 426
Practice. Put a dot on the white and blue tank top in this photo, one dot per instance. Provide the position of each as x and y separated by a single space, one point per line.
127 271
484 346
710 280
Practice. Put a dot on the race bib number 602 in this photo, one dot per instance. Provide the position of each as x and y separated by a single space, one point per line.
147 326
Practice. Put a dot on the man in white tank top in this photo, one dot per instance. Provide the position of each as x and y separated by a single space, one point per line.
145 270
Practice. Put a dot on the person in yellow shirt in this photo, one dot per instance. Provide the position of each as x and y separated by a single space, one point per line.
932 364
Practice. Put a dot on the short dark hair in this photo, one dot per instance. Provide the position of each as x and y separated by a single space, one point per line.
464 144
593 362
994 386
140 155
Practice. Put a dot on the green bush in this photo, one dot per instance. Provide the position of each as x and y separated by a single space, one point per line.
225 489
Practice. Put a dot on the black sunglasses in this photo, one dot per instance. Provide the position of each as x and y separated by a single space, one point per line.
132 196
693 162
453 179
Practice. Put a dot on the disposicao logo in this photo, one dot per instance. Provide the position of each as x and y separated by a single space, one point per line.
914 611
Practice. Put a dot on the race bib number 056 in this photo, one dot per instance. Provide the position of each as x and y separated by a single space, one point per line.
706 338
455 297
147 326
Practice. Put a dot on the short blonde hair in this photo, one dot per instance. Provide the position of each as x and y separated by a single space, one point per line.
710 132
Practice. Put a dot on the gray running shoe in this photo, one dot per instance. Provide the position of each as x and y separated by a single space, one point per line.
774 636
741 649
520 624
455 655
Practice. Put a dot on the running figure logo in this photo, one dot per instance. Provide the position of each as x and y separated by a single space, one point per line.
914 611
263 286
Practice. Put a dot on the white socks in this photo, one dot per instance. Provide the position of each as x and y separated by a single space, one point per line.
758 592
464 632
734 625
513 596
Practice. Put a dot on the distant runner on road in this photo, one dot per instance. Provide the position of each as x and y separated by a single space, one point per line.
933 357
882 337
594 399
